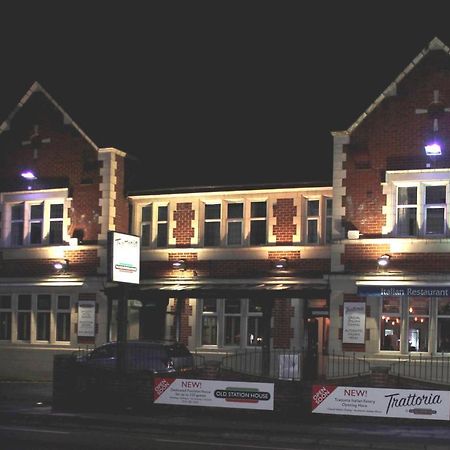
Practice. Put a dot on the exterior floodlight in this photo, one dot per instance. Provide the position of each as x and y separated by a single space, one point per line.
281 263
383 260
61 265
179 264
28 175
433 149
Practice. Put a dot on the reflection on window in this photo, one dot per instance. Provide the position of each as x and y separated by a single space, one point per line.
209 322
390 324
435 209
418 324
232 322
312 221
443 328
254 323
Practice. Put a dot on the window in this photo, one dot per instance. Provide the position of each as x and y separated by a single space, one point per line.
329 220
435 209
146 225
17 224
5 317
212 225
235 215
63 318
258 223
209 322
390 325
162 226
44 306
31 318
418 324
443 325
407 211
56 223
231 322
36 223
312 221
24 318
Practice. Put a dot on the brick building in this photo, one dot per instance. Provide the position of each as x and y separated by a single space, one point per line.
59 196
391 186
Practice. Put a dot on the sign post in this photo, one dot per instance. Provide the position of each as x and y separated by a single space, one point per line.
123 267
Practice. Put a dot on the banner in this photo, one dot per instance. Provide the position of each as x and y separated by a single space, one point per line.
225 394
86 318
380 402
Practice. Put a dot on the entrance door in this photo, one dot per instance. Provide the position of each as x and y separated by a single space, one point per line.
152 319
316 339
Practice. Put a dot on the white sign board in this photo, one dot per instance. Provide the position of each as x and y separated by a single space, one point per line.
225 394
380 402
125 253
354 323
86 318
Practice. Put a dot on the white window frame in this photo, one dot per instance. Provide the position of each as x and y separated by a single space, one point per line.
310 219
221 315
230 220
48 198
148 223
215 220
256 219
419 179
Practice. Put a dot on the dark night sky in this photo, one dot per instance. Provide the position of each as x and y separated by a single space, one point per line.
212 93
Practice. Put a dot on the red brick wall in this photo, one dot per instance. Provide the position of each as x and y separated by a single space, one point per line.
282 331
393 137
363 257
234 268
183 232
284 229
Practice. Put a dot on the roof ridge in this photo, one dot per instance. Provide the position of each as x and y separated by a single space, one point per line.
37 87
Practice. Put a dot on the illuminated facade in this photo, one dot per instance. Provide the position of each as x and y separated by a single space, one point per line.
59 196
391 198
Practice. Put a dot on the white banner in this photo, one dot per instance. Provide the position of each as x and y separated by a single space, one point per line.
125 256
86 318
364 401
225 394
354 323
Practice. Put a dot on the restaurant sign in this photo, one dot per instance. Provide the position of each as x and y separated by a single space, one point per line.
405 291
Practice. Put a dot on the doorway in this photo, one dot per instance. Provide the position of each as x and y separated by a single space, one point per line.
316 342
152 319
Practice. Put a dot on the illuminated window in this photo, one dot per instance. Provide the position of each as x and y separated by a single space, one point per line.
443 325
63 318
235 215
312 221
162 227
328 220
258 223
231 322
390 324
418 324
146 225
5 317
212 225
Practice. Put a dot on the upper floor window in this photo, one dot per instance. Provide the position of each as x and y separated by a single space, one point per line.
35 223
329 220
312 221
146 225
212 225
235 216
258 223
162 226
422 209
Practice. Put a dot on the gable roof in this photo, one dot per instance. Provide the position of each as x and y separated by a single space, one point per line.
391 90
36 87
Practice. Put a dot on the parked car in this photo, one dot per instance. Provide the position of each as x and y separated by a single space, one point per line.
158 357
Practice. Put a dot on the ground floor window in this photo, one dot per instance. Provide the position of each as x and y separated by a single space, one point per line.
231 322
35 318
415 324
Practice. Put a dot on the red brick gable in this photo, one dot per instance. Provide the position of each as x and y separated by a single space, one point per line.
392 137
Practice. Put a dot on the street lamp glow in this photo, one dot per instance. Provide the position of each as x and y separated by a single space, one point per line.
28 175
433 149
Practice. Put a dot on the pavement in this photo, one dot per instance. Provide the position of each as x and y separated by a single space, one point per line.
31 404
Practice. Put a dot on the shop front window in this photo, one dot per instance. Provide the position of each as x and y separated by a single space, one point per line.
418 324
390 325
443 325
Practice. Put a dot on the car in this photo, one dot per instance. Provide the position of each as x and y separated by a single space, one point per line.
156 357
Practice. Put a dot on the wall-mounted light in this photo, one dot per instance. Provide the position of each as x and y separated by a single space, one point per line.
433 149
383 260
61 266
179 264
28 175
280 264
